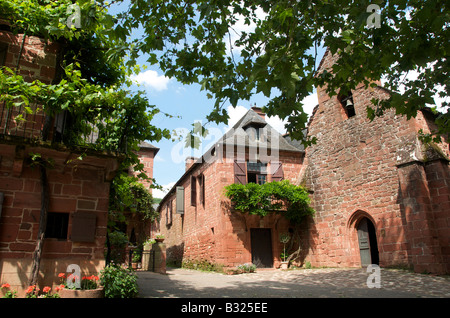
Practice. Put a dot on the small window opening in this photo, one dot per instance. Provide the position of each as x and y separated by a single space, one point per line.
348 105
57 224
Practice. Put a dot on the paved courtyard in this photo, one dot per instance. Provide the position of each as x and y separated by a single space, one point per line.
299 283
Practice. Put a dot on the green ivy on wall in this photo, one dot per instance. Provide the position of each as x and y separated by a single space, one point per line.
274 197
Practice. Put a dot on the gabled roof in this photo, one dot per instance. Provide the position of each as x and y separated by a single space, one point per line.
272 139
237 134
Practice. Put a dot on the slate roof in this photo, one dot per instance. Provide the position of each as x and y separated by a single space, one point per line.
146 145
239 134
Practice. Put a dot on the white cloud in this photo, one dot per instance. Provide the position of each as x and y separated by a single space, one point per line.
235 113
240 26
309 103
152 79
161 193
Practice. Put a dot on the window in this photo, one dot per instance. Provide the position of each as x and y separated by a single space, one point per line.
169 213
256 172
193 191
201 183
57 224
180 200
3 52
255 131
347 103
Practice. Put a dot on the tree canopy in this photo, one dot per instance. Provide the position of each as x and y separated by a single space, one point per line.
276 53
238 48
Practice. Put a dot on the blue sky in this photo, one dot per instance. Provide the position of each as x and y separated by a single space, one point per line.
190 104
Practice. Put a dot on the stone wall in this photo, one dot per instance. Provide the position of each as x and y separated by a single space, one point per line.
75 187
361 168
212 231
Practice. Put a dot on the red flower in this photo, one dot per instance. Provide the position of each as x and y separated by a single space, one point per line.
62 275
6 285
47 289
30 289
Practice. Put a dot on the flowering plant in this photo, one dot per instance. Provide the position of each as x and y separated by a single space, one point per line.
89 282
46 293
8 293
31 292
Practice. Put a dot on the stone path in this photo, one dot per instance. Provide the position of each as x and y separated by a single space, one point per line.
300 283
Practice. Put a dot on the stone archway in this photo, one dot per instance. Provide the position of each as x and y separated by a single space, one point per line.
363 225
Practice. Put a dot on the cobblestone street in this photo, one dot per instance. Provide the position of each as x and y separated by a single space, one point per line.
301 283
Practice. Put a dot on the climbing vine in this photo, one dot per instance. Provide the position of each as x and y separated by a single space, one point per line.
128 194
274 197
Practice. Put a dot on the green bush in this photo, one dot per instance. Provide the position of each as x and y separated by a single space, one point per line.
247 268
119 282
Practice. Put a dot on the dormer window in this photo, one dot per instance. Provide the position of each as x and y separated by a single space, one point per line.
347 103
255 131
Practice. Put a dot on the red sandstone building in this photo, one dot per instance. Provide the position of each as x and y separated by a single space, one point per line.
380 195
196 218
78 190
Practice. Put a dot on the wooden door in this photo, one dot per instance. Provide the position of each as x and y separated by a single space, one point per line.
364 242
261 244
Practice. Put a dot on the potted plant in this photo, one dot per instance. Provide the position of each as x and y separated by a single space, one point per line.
89 287
136 258
159 238
284 238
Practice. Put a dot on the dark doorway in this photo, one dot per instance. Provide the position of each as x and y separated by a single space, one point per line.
261 244
367 240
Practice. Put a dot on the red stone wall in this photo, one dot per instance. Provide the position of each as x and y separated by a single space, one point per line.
146 157
212 232
38 60
74 186
360 168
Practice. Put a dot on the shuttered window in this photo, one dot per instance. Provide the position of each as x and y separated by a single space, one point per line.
240 174
83 227
277 171
180 200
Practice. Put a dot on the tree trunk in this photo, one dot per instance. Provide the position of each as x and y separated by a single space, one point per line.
42 225
295 238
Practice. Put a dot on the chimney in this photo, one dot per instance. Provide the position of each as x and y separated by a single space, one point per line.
259 112
189 162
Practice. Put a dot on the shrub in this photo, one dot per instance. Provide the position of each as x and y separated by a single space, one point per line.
247 268
119 282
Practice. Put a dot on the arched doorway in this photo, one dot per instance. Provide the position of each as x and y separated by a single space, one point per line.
367 240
